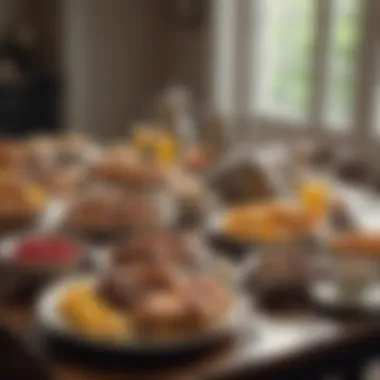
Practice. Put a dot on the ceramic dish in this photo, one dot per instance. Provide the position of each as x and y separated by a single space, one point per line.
8 251
26 278
203 258
206 261
57 329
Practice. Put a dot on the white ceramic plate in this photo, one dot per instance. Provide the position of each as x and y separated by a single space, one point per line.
52 322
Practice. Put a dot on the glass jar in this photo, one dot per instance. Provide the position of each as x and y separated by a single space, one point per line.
346 277
284 266
166 150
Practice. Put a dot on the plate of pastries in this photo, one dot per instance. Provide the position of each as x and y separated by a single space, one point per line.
107 213
274 220
150 297
151 286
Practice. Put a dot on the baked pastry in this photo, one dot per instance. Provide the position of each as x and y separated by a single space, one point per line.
268 222
117 169
65 180
361 244
156 248
112 213
41 145
127 285
12 158
20 201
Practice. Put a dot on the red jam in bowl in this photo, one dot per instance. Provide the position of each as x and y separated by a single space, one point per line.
46 250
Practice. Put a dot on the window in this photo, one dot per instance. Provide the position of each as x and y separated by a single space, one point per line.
307 63
286 57
343 49
222 86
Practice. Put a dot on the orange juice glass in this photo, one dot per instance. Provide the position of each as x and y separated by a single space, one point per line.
166 148
315 199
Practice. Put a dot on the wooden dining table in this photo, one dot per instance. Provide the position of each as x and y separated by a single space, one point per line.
289 344
301 342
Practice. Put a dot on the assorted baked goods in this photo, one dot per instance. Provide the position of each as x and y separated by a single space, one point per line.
64 181
111 213
12 158
267 222
146 304
157 285
279 221
156 248
358 243
20 201
126 169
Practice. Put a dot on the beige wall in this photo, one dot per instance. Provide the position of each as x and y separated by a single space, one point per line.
114 54
113 62
189 58
118 53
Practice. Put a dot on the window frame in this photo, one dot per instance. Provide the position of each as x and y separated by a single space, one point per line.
250 124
